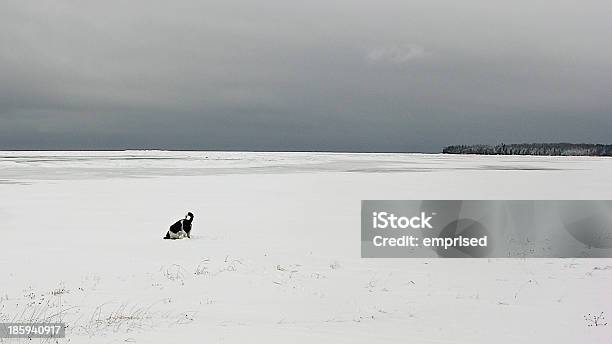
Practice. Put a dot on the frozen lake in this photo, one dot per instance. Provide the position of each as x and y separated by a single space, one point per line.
275 253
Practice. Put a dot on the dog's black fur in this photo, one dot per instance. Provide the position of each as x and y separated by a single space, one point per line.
181 225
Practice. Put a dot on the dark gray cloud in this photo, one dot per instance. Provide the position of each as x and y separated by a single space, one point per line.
316 75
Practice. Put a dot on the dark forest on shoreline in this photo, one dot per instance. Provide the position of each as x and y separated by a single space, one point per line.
548 149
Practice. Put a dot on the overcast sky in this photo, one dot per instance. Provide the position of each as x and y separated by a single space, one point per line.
303 75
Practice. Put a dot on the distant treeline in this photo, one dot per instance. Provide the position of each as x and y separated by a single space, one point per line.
564 149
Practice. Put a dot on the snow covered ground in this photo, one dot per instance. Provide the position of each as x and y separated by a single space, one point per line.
275 253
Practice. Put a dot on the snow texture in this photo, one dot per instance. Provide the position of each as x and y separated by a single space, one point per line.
275 250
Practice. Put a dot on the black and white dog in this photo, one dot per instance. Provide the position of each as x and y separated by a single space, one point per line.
181 228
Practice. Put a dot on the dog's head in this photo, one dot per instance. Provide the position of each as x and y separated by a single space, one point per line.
189 217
